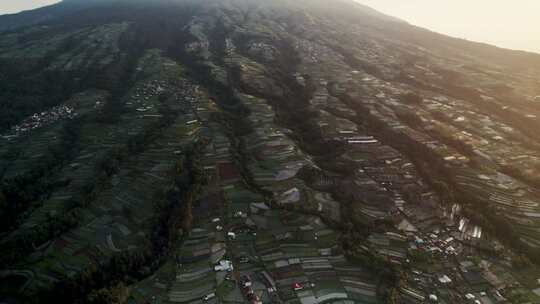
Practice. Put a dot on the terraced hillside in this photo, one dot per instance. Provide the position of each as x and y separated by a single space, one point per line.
255 151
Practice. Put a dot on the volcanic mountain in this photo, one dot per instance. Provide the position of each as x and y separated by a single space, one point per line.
166 151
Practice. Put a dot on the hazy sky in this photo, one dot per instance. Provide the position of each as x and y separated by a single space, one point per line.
511 24
14 6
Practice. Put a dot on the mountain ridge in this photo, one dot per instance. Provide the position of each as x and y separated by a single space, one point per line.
157 151
66 7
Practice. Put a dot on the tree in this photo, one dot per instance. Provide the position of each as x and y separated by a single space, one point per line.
115 295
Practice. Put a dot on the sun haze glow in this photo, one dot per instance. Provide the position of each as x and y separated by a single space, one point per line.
509 24
15 6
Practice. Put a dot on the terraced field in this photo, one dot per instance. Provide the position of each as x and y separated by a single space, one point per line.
261 152
113 181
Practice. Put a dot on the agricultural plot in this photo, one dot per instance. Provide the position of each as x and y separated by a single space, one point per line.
298 185
300 255
20 156
205 246
154 288
195 276
97 47
295 250
100 140
517 204
262 241
16 46
390 245
118 218
277 159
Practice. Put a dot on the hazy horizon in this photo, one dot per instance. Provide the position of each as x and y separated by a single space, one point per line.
512 25
504 24
12 7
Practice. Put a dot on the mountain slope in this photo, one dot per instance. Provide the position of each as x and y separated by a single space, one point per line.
323 149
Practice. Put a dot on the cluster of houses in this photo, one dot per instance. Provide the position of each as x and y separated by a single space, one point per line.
39 120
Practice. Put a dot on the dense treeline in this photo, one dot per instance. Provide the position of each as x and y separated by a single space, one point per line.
22 190
25 192
70 216
103 280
